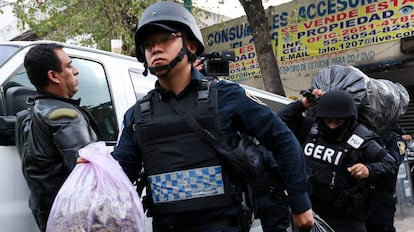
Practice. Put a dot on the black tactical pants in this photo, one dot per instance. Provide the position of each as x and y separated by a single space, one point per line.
381 214
196 222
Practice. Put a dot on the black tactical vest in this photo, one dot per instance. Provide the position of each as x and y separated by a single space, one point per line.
327 163
184 173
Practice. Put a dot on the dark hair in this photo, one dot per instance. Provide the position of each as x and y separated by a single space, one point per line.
39 60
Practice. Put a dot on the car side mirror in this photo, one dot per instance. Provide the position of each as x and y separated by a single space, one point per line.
7 130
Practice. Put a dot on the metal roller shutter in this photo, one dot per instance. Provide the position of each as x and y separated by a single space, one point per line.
407 120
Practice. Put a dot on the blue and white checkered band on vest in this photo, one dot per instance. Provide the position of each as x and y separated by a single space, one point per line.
186 184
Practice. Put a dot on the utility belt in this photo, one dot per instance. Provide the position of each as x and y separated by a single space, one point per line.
200 221
268 183
351 201
198 204
272 190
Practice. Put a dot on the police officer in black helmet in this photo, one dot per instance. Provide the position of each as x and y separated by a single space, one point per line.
344 160
189 188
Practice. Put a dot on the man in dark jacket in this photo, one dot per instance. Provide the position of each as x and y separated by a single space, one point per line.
343 158
59 127
190 188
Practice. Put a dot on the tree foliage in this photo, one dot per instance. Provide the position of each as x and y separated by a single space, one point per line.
87 22
91 23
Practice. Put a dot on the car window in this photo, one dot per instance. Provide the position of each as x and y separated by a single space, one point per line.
141 84
7 51
93 91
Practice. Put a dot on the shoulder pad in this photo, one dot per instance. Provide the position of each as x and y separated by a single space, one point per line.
63 113
365 133
360 135
147 96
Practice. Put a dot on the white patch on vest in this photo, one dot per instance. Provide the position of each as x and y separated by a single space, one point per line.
355 141
322 153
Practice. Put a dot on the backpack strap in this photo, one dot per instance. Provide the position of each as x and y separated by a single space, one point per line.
142 109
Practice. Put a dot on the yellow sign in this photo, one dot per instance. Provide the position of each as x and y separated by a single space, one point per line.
335 25
246 65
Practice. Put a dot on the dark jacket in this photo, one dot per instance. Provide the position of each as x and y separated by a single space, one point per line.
59 129
327 160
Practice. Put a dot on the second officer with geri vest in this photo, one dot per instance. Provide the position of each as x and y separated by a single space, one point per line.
344 160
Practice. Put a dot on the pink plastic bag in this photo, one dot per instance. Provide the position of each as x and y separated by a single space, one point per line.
97 196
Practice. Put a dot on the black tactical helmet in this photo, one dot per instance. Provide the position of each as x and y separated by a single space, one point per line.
336 104
170 16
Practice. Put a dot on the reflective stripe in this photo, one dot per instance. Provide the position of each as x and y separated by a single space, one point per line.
186 184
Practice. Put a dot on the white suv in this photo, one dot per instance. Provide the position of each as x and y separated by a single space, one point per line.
108 85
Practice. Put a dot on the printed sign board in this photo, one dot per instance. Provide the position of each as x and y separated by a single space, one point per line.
307 35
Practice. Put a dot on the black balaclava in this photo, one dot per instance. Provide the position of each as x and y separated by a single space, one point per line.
338 134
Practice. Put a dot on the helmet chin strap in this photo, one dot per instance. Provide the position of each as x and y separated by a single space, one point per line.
168 67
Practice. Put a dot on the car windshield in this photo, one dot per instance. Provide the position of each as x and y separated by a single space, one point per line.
7 51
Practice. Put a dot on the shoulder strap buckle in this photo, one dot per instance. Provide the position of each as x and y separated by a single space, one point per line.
203 91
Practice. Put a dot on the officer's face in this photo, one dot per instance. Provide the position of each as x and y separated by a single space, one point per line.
161 48
334 123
